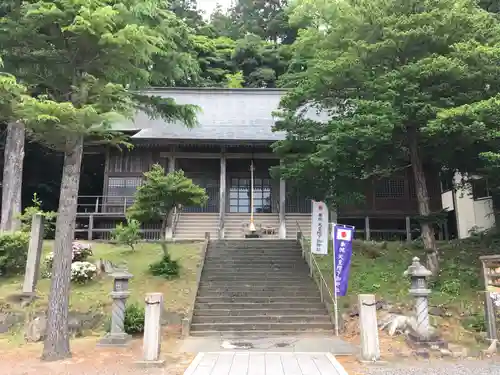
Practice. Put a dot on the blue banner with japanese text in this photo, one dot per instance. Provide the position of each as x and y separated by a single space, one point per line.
342 244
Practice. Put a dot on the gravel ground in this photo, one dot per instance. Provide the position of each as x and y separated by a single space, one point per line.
473 367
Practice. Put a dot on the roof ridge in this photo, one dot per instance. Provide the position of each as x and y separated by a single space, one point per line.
218 89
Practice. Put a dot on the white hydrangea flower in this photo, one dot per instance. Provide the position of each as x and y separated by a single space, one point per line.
82 272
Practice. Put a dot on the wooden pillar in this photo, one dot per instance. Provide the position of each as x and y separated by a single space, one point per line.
171 164
367 228
282 208
408 229
90 228
222 191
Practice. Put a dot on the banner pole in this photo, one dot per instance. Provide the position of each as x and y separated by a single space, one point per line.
335 297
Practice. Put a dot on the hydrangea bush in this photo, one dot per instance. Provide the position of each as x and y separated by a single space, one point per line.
82 272
80 253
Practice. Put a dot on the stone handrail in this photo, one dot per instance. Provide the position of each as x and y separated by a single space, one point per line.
186 321
220 227
316 274
175 220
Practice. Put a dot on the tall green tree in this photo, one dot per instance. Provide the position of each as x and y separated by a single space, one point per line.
85 61
215 58
11 102
393 80
187 11
261 62
266 18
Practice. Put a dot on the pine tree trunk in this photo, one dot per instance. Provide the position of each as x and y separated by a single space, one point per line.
428 235
12 177
56 345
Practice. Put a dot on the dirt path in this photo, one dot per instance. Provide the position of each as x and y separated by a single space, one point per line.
90 360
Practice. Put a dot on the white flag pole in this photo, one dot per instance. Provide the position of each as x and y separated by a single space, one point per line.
335 298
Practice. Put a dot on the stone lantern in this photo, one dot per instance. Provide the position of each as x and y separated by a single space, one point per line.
418 275
117 335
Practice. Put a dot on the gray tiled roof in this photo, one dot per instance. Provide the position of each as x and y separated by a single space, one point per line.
225 115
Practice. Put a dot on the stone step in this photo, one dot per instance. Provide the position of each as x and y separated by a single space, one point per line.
257 299
297 319
260 256
258 284
260 326
237 254
256 293
254 276
260 244
255 265
255 243
260 334
259 312
213 266
230 260
258 306
269 289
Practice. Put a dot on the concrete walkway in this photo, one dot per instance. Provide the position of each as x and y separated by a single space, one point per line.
265 363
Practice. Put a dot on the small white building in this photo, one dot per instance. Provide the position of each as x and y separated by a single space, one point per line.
469 201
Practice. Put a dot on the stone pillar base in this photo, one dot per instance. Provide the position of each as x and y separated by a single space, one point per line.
150 364
417 342
115 340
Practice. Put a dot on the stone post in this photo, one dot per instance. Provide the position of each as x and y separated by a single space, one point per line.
34 254
367 229
490 317
152 331
408 228
370 348
117 335
418 274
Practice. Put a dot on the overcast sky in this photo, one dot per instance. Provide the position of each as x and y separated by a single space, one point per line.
209 5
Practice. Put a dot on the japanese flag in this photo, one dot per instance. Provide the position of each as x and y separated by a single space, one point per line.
344 235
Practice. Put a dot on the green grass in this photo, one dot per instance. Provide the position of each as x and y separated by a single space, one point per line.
178 293
377 268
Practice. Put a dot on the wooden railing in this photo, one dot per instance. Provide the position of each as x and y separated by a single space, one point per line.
86 229
99 204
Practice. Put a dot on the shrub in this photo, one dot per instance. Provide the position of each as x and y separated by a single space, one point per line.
475 323
36 208
83 272
134 319
13 252
166 267
129 234
80 253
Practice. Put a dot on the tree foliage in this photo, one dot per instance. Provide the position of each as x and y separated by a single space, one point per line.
397 83
81 62
157 197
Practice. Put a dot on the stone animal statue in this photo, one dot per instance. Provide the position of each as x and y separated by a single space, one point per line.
396 323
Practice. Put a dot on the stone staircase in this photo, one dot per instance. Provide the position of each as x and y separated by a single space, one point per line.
193 225
234 222
257 288
291 221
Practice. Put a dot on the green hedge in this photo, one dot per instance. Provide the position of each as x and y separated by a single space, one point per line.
13 252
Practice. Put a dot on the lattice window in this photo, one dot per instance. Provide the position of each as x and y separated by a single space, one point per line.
390 188
129 162
123 186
